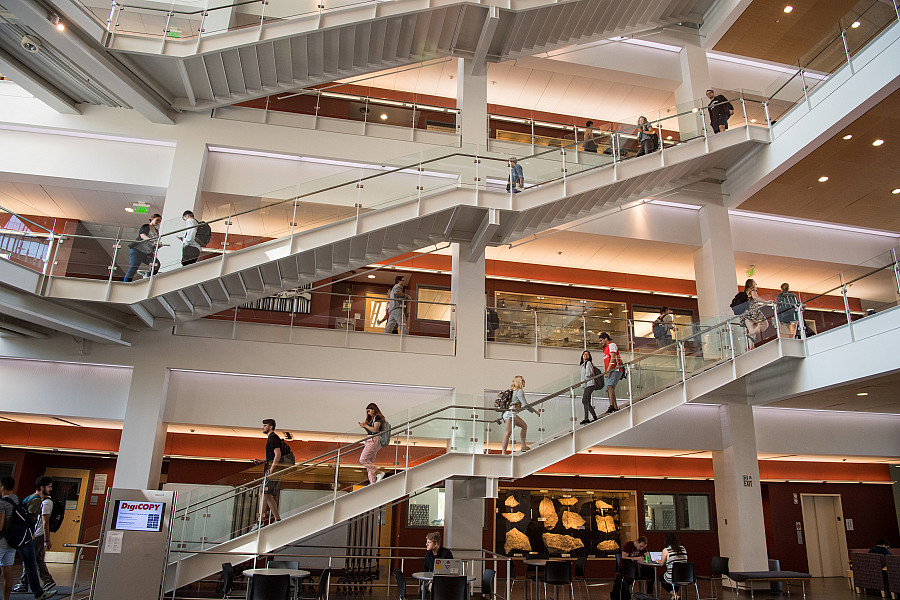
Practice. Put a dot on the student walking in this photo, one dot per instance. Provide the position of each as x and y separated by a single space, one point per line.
786 304
373 425
587 371
510 413
40 505
613 370
278 453
143 249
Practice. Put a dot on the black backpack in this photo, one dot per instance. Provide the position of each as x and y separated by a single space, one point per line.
659 329
20 529
504 400
287 455
57 516
740 303
204 234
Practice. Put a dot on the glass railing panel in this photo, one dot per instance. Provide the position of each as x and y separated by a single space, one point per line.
865 22
704 349
653 373
133 20
616 328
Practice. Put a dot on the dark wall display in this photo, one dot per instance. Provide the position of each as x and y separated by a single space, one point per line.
564 522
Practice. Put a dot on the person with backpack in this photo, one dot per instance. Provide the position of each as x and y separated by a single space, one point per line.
753 319
193 240
613 370
663 327
589 371
278 453
511 401
786 303
17 538
40 507
375 426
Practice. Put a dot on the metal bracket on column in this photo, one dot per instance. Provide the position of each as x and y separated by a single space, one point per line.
489 226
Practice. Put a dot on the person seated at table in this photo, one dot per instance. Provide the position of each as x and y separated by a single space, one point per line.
636 551
433 550
673 552
881 547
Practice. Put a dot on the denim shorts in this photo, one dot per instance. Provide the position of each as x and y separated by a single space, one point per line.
7 557
613 379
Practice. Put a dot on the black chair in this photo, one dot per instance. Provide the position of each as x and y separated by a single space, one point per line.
558 573
683 576
449 587
269 587
227 579
632 574
324 580
401 584
718 571
487 583
580 564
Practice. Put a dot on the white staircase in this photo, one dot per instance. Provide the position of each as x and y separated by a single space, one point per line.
542 455
460 213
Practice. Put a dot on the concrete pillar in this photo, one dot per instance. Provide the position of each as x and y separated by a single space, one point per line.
467 293
143 431
464 508
471 99
183 193
692 91
742 533
714 268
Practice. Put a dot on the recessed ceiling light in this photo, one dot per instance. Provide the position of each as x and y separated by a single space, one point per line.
788 8
668 137
371 276
129 209
862 393
895 191
877 142
848 136
753 120
384 116
823 179
856 24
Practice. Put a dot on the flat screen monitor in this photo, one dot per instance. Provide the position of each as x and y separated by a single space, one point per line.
138 515
655 556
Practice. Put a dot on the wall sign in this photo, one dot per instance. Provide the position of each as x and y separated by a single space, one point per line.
748 481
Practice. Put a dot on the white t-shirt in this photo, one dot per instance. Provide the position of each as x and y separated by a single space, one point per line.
46 509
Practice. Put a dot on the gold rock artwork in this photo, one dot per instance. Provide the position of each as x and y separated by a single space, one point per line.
605 524
572 520
548 512
563 543
516 540
514 517
568 501
511 502
601 505
608 545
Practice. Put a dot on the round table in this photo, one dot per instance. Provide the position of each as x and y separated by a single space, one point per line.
428 576
293 573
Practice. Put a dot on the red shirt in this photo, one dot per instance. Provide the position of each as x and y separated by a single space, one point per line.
608 350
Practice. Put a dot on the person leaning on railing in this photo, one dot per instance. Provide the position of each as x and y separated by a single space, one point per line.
647 136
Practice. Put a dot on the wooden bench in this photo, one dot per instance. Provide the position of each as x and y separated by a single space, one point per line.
786 577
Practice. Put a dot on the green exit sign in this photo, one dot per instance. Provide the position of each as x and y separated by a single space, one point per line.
141 210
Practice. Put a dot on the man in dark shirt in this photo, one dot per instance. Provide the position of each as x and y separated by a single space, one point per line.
433 550
269 492
720 109
882 547
143 249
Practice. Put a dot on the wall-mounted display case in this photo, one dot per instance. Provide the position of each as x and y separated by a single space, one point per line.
565 522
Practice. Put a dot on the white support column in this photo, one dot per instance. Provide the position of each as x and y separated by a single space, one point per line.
464 508
467 293
714 268
694 83
471 100
143 431
183 193
742 534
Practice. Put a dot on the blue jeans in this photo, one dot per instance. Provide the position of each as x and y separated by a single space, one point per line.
136 257
29 563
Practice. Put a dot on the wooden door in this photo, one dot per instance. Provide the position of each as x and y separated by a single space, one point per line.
71 487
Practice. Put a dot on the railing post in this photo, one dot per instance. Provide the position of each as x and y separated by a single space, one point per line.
536 340
225 245
846 48
896 268
337 472
659 135
768 120
584 330
805 92
847 308
112 265
746 118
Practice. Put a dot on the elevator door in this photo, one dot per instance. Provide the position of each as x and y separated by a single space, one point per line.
826 540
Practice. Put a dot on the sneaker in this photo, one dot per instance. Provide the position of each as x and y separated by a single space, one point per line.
585 422
50 585
45 595
379 476
20 587
254 528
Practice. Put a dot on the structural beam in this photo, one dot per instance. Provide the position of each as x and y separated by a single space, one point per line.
479 64
489 226
36 85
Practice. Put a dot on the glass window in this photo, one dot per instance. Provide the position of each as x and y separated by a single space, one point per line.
426 509
676 512
433 304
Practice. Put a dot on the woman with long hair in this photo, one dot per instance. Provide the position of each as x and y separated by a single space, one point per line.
753 319
646 135
673 552
587 371
510 416
373 424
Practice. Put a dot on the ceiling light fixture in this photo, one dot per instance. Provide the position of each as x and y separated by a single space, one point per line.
60 26
384 116
753 120
823 179
848 136
877 142
895 191
788 9
370 276
862 394
856 24
129 209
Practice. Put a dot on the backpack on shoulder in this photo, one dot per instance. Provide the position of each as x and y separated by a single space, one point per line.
659 328
20 529
384 434
740 303
204 234
57 516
